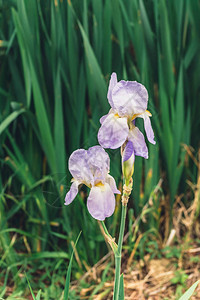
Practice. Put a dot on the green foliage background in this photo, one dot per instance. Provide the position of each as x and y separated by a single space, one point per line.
56 58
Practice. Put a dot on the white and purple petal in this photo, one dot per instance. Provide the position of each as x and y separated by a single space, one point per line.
101 202
102 119
111 181
128 151
78 166
113 132
98 163
139 145
70 196
129 98
113 82
148 127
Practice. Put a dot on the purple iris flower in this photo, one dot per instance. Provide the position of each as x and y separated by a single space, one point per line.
128 100
91 167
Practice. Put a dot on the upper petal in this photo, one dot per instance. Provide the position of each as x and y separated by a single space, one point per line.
98 163
129 98
72 192
113 82
148 127
139 145
113 132
78 166
101 202
111 181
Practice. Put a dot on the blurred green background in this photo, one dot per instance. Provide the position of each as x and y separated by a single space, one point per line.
56 58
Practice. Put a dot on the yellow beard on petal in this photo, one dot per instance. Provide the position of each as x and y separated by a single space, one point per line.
136 115
100 185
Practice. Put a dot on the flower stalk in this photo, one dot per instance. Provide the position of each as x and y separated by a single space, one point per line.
126 193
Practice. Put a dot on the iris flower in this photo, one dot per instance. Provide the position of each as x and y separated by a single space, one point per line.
128 101
91 167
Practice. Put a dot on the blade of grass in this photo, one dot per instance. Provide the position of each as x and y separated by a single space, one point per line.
67 282
189 292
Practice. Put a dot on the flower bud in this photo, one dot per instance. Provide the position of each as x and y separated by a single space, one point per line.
128 158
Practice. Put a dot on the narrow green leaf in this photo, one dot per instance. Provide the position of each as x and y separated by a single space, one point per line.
67 283
189 292
121 287
38 295
30 288
6 122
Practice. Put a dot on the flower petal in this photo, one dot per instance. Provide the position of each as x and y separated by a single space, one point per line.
129 98
98 163
128 151
113 82
139 145
111 181
102 119
113 132
148 127
78 166
101 202
72 192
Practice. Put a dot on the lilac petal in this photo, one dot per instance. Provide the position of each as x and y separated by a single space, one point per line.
139 145
113 82
72 192
102 119
129 98
128 151
111 181
101 202
98 163
113 132
78 166
148 127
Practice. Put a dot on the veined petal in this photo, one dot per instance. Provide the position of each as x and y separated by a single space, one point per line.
148 127
129 98
78 166
113 132
102 119
72 192
98 163
101 202
128 151
113 82
139 145
111 181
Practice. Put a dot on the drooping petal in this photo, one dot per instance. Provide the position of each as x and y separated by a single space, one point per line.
101 202
113 82
148 127
111 181
113 132
78 166
72 192
128 151
139 145
99 163
129 98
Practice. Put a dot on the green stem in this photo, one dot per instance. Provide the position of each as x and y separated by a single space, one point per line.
105 228
118 254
